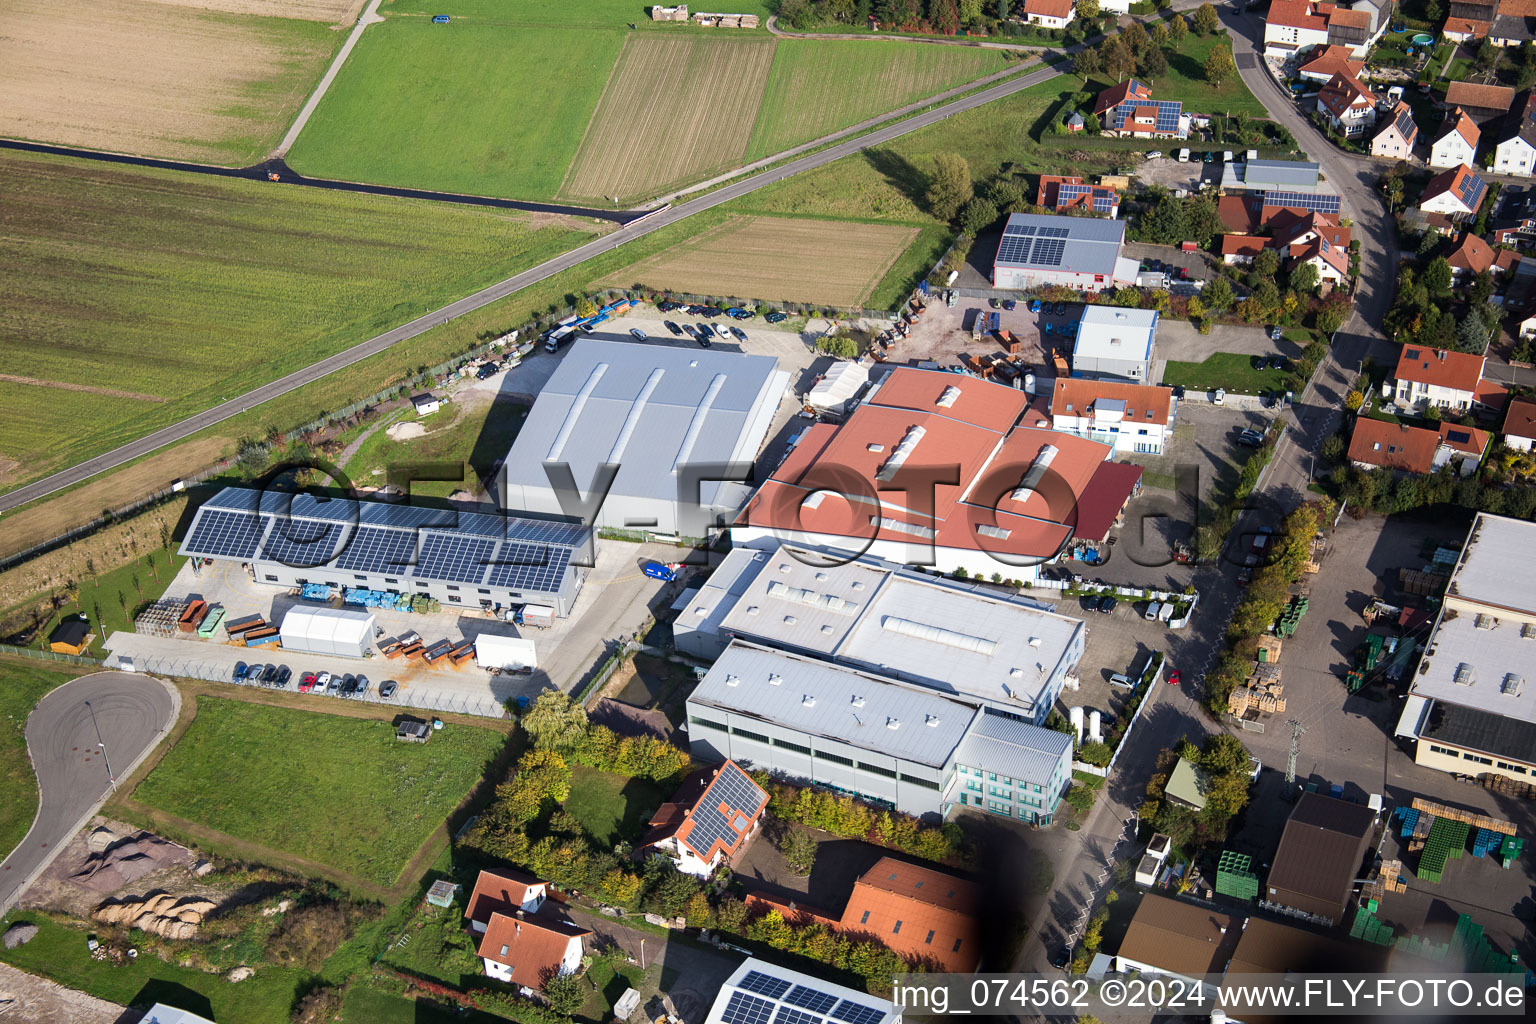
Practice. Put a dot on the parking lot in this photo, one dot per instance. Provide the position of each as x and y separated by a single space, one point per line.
943 334
615 602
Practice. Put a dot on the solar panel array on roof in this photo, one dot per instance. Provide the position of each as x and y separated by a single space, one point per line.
226 534
302 543
856 1013
529 567
1168 113
812 999
449 557
746 1009
375 550
738 793
1318 202
764 984
1471 190
1405 124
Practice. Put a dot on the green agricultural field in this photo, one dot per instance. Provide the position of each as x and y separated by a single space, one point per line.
22 685
466 107
134 297
817 87
339 791
561 13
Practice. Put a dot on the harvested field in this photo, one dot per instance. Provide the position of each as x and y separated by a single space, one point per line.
777 259
820 86
340 12
195 289
676 109
134 76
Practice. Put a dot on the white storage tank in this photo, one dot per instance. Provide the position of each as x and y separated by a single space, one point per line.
1095 721
1075 716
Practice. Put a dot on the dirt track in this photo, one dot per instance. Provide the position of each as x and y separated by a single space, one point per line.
130 76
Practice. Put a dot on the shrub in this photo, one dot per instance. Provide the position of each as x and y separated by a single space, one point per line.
565 994
799 850
1095 753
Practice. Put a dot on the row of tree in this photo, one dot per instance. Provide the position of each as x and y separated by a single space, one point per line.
943 16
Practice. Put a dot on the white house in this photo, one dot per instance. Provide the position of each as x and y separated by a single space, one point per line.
1456 192
1347 104
1437 377
1396 140
1292 26
1051 13
1134 418
1520 425
1457 144
1516 155
522 939
503 891
709 820
1174 939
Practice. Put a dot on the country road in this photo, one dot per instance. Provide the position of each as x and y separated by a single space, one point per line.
628 232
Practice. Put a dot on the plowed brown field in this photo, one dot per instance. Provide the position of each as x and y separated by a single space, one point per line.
675 110
777 259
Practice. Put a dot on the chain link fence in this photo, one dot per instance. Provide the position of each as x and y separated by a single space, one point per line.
27 652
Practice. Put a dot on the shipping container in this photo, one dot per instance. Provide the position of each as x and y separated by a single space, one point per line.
193 616
211 622
258 637
238 626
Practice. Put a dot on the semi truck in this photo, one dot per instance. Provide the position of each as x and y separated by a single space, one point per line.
558 337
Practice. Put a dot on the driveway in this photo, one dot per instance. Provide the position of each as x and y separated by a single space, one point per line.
82 738
1179 340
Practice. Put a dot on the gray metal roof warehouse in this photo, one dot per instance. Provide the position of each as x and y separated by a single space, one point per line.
653 411
459 558
1088 245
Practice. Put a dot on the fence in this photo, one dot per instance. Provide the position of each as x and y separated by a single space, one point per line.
27 652
408 697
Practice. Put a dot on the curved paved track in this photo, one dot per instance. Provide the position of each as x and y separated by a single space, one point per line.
628 232
129 714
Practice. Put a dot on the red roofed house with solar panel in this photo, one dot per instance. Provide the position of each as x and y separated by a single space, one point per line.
937 469
1128 109
1058 193
1435 377
1397 139
709 820
1456 193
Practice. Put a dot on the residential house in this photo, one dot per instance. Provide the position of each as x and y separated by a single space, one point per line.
759 991
1520 425
1293 25
1456 193
1473 256
1483 103
1299 236
1321 65
1136 418
1241 249
1469 19
1438 377
1182 940
1354 27
1321 853
1513 23
1379 444
1515 222
1061 193
1128 110
1516 152
1397 139
503 892
1347 104
709 820
1457 143
1049 13
523 938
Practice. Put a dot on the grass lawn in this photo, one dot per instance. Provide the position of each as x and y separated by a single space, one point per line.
472 107
611 807
438 948
365 1005
816 87
1227 370
1186 81
59 952
478 438
340 791
166 293
111 599
22 685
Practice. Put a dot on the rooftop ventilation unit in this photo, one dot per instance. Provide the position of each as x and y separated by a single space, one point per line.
774 679
1035 473
931 721
900 455
732 680
1464 674
937 634
857 701
1513 685
1485 621
807 700
873 447
893 724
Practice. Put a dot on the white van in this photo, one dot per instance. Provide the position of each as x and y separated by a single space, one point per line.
1183 156
1154 609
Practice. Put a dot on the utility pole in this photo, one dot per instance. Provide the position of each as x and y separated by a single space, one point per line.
1290 761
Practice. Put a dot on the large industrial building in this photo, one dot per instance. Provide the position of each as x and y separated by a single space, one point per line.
466 559
945 471
953 637
1471 709
676 424
1114 343
911 746
1038 250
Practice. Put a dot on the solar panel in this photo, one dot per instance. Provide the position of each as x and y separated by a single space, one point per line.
1014 249
1319 202
225 534
1019 229
790 1015
1048 252
376 550
812 999
857 1013
302 543
1168 113
746 1009
764 984
1471 191
739 794
1405 124
448 556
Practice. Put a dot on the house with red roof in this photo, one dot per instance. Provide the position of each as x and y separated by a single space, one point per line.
1378 444
1520 425
1456 193
1299 236
1347 104
1060 193
1457 143
1439 378
1136 418
1473 256
1292 26
1049 13
1396 140
937 469
523 939
709 820
1321 65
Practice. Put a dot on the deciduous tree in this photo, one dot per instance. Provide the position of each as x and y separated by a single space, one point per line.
949 187
1206 20
1219 66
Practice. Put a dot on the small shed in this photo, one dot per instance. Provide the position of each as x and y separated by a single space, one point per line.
426 403
1187 785
442 893
72 636
412 730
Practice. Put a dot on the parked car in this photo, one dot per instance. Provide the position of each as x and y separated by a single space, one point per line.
1276 334
1154 608
722 330
269 674
284 673
306 682
486 370
776 317
1108 605
1010 304
703 341
706 331
992 303
362 685
740 334
387 689
690 330
637 334
1173 679
1251 438
348 684
334 685
1183 274
1155 154
672 327
1220 397
239 672
322 680
1034 305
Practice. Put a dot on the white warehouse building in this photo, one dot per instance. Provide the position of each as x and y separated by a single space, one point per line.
654 412
1038 250
957 638
1114 343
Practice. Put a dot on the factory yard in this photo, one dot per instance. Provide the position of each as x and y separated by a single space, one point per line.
776 259
162 79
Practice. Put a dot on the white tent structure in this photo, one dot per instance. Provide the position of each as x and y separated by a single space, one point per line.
492 651
327 631
840 383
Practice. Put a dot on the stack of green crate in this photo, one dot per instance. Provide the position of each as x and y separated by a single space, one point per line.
1235 877
1413 945
1510 849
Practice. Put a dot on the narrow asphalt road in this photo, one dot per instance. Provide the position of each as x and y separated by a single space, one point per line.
369 16
81 737
628 232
